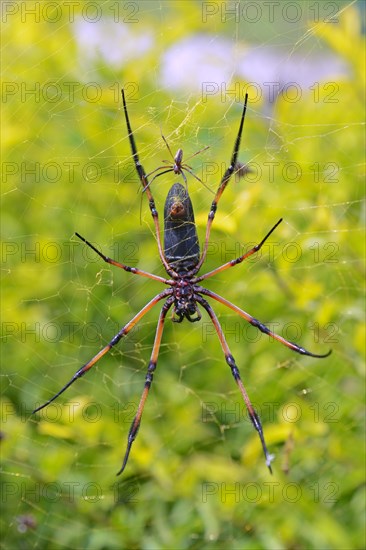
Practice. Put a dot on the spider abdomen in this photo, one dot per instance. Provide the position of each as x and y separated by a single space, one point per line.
181 246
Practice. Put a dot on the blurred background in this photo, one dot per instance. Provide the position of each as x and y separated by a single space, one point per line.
196 477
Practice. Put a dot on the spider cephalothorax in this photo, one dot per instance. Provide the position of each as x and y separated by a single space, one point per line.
182 261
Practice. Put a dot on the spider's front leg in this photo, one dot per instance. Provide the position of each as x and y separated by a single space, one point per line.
225 180
146 188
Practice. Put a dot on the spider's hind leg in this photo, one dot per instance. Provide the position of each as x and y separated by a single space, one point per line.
121 334
148 381
235 372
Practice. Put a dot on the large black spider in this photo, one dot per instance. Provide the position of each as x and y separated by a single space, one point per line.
182 261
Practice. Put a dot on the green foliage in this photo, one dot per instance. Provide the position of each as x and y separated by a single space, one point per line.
196 477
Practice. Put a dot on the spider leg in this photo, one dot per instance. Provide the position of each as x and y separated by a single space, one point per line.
225 180
157 175
198 152
237 261
253 321
123 332
235 372
189 170
169 149
148 380
145 184
127 268
181 172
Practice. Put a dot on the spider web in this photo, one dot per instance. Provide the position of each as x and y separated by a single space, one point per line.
68 168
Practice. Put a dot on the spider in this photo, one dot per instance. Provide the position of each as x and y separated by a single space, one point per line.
182 260
178 166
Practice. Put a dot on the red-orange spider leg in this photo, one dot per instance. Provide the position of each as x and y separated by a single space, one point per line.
148 380
253 321
235 372
124 330
225 180
237 261
127 268
145 184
